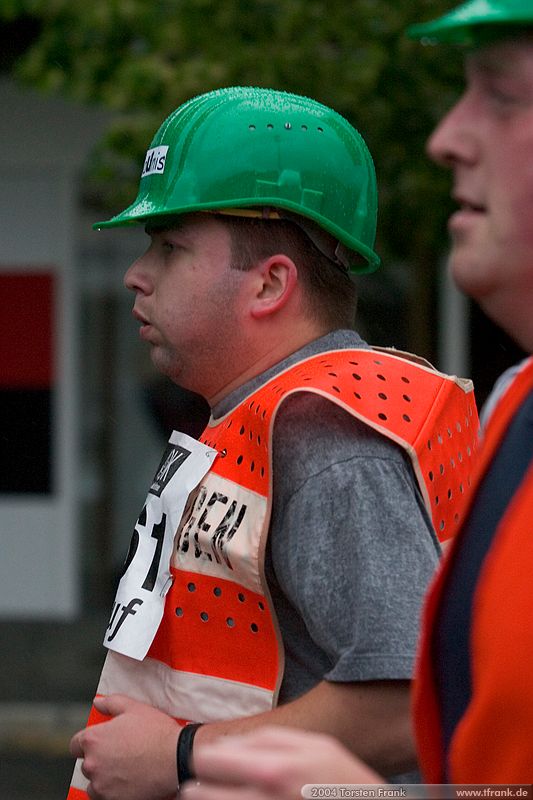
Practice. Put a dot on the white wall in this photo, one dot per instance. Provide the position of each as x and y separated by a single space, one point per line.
43 144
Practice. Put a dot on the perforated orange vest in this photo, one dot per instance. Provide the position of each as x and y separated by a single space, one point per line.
218 653
492 743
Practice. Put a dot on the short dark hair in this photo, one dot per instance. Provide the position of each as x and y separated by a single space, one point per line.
330 290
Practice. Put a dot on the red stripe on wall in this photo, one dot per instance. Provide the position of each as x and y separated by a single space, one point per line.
27 340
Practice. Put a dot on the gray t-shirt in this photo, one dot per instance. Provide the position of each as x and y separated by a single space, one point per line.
351 546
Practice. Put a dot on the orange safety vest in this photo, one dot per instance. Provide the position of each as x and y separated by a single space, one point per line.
492 743
218 653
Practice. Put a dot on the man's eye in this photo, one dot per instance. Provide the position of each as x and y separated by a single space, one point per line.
505 98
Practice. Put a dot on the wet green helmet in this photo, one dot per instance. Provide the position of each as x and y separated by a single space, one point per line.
476 21
254 149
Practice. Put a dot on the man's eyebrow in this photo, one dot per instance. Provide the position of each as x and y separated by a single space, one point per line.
493 64
488 64
154 227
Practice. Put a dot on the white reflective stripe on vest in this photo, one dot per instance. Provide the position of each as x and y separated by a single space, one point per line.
199 697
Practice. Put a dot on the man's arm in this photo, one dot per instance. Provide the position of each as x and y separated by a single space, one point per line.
370 718
133 756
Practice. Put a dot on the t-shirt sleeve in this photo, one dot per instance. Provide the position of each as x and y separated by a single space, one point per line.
352 545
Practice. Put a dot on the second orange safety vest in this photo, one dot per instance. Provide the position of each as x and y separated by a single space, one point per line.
492 742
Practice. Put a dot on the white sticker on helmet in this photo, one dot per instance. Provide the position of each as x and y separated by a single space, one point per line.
155 160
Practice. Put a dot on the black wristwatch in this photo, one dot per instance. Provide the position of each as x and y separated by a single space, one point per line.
184 752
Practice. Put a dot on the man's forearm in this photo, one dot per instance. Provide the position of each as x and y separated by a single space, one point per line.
370 718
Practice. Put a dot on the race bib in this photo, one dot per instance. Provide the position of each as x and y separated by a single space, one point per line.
146 579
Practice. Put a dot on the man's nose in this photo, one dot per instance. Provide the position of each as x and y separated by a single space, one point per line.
452 140
137 277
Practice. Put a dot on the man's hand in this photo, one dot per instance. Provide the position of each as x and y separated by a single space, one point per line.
272 763
116 759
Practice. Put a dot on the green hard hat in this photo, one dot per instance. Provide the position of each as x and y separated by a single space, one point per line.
476 22
254 149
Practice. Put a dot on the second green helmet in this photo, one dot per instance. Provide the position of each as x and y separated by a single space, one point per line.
249 148
476 20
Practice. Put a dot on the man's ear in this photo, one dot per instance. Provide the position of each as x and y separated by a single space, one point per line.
276 280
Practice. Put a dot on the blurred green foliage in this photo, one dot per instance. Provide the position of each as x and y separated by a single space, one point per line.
143 58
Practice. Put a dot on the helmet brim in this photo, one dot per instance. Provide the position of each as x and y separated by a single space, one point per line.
365 260
474 23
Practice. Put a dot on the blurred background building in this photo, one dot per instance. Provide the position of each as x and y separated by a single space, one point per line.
83 415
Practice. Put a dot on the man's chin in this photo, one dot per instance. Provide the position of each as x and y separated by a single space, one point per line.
170 369
468 274
161 361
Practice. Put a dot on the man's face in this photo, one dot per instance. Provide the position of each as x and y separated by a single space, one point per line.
487 140
186 301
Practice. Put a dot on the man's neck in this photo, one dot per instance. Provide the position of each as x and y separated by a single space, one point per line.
263 360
